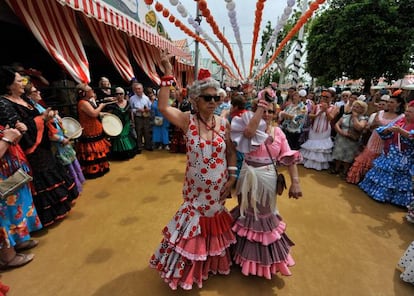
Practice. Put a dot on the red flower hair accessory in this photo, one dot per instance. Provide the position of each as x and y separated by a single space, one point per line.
203 74
396 93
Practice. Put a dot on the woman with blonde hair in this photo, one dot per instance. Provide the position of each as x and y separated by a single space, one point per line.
349 130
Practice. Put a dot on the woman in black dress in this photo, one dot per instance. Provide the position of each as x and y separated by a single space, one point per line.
54 191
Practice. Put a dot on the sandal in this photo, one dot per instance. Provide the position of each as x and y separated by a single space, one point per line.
31 243
17 261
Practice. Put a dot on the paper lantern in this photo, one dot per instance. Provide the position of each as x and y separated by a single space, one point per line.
148 2
171 18
231 6
313 6
158 6
165 12
174 2
320 1
290 3
206 12
181 8
202 4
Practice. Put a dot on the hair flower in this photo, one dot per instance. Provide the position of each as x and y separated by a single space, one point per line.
203 74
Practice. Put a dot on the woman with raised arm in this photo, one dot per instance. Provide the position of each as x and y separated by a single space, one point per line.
262 248
196 241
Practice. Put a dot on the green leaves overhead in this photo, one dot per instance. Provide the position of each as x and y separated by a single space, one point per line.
362 39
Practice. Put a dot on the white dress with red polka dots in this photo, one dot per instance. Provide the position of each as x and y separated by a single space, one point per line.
197 239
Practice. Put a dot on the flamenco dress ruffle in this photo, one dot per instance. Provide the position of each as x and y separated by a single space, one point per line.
262 247
123 146
390 180
406 263
54 190
197 246
362 164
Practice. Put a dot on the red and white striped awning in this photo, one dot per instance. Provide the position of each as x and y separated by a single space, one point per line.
104 13
56 30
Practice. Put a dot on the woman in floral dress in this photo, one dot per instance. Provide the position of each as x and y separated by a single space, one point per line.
196 241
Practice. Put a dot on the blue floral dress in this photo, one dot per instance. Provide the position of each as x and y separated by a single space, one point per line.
18 215
390 179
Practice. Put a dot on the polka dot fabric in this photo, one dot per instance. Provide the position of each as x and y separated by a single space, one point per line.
196 241
407 264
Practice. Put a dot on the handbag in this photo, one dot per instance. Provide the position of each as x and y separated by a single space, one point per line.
158 120
280 179
14 182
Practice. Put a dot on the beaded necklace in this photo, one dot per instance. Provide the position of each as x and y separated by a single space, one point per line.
209 128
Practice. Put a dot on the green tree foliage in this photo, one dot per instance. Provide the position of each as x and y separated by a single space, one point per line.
362 39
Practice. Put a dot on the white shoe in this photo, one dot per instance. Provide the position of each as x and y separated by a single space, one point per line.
160 147
167 148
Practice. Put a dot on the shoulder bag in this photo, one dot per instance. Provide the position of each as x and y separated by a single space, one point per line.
14 182
280 178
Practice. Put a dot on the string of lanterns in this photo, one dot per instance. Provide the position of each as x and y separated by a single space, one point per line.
231 7
233 20
302 20
165 13
280 24
258 13
202 5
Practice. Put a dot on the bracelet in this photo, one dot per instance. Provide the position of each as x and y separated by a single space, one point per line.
7 140
168 81
61 139
233 175
232 168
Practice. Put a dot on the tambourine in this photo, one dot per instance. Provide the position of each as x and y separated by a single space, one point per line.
111 124
72 128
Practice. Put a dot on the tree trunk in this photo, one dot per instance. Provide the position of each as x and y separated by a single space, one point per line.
367 85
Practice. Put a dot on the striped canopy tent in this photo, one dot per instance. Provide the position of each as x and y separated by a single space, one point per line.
54 24
400 83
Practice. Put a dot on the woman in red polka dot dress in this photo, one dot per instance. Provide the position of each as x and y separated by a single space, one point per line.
196 241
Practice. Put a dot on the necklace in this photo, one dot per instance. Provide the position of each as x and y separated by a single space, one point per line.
209 128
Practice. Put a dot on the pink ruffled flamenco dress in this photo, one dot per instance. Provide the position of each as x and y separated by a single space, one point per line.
262 248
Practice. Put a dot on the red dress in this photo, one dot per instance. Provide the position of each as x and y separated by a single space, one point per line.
92 147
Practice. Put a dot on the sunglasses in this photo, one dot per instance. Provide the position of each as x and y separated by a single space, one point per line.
209 98
270 111
118 94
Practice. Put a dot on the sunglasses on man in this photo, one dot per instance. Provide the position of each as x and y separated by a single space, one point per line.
209 98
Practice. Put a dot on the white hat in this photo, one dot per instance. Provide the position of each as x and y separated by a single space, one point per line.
302 93
385 98
332 89
228 89
362 98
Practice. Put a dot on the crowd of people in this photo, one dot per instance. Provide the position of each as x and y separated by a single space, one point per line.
234 142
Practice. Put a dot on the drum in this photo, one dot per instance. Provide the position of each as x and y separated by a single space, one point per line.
72 127
111 124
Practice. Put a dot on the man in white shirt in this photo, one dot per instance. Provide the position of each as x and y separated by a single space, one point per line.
141 111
